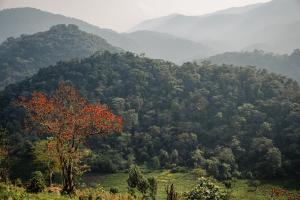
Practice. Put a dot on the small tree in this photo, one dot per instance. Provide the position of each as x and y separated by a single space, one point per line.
152 187
70 119
206 190
136 180
37 182
45 153
155 163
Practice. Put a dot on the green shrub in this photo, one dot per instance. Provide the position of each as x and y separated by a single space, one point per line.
152 187
136 180
37 182
228 183
206 190
10 192
254 183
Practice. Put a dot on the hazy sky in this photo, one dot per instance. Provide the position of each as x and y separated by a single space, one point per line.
121 15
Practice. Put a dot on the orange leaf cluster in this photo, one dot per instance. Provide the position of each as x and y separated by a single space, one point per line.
68 116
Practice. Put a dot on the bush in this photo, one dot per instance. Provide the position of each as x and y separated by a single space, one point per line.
10 192
36 183
248 175
206 190
254 183
178 169
228 183
114 190
137 180
152 187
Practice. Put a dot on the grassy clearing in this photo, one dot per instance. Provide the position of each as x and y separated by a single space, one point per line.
185 181
241 190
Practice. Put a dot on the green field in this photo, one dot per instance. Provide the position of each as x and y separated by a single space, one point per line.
183 181
186 181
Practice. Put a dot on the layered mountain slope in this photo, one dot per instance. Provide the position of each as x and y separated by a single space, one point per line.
235 29
17 21
288 65
168 47
23 56
14 22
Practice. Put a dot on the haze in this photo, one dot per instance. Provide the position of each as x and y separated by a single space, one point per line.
121 15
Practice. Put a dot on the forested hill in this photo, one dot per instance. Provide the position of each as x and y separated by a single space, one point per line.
288 65
232 121
17 21
23 56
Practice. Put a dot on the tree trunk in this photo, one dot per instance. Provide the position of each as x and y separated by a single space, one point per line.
68 179
50 178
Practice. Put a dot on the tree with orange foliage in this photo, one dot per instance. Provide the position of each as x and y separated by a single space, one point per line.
70 119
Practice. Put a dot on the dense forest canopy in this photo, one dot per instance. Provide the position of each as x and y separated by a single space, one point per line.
231 121
23 56
288 65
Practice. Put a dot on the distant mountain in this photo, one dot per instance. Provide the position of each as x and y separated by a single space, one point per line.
157 23
274 24
23 56
17 21
165 46
288 65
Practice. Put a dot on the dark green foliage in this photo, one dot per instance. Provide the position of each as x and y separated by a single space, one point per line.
36 183
219 118
171 192
267 157
24 56
136 180
152 187
155 163
206 190
114 190
254 183
104 163
4 155
228 183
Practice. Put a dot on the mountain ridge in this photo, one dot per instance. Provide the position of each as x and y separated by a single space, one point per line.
235 29
29 20
25 55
